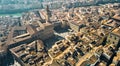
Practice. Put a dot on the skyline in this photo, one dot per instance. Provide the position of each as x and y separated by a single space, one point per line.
20 6
60 33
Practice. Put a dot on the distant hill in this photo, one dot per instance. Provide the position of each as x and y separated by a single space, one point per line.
15 6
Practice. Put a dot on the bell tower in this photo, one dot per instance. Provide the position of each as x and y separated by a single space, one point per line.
48 14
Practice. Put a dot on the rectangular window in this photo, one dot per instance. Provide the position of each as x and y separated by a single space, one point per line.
115 38
110 36
113 42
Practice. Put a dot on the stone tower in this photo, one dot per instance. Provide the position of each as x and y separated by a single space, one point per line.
48 14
